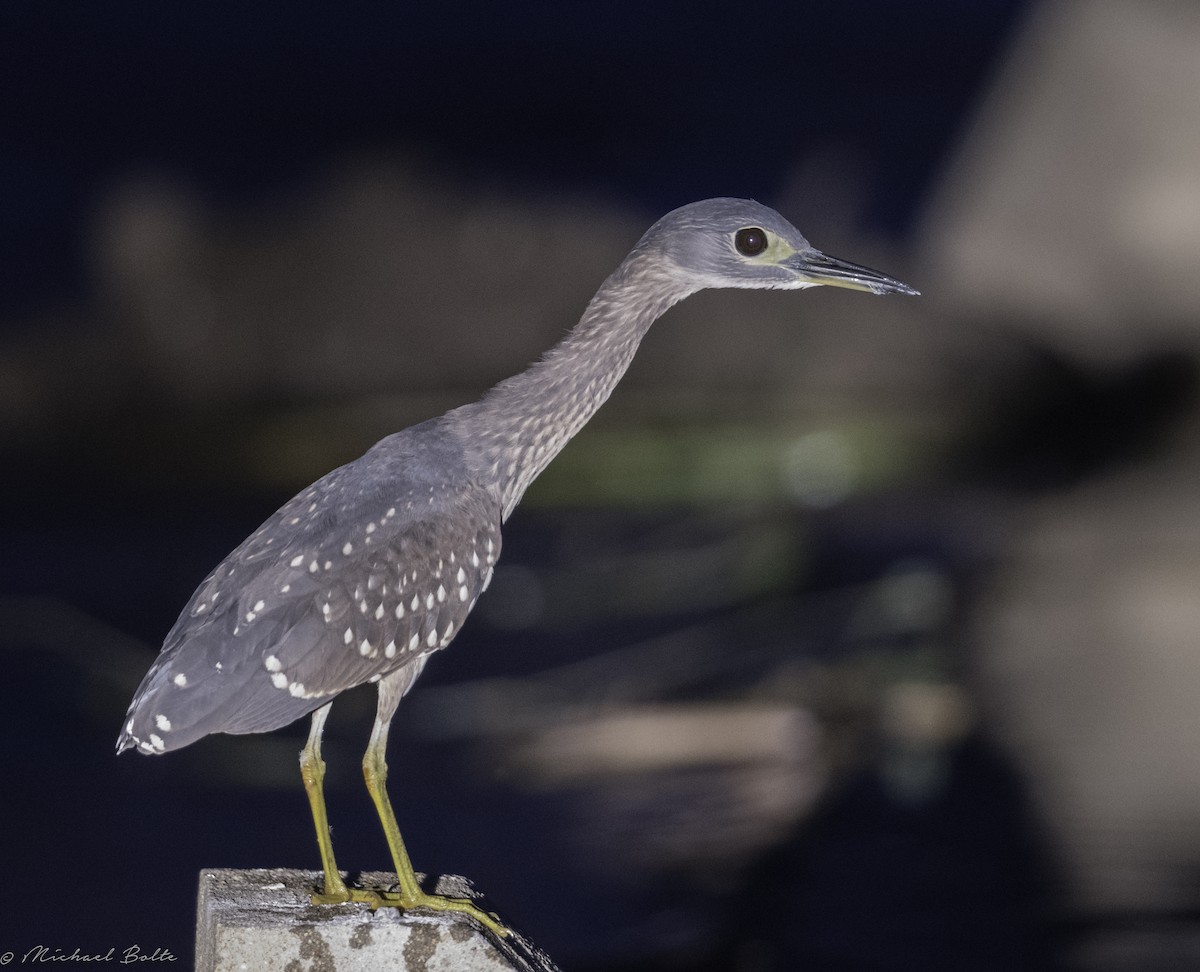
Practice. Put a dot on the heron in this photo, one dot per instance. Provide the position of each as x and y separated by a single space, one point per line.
367 573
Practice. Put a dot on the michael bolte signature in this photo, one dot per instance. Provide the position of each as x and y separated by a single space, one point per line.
130 955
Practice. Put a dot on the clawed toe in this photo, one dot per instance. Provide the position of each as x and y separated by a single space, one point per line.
417 902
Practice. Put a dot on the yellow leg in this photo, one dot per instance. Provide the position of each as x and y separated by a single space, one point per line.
312 771
410 895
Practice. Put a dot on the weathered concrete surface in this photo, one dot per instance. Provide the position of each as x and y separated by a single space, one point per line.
263 920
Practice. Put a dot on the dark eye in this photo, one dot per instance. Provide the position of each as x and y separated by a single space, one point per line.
750 241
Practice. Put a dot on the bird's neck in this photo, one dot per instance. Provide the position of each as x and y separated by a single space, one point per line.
522 423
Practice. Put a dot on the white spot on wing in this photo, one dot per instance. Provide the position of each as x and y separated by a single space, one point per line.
162 722
180 680
272 663
279 680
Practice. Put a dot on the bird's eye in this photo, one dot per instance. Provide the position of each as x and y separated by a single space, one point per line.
750 241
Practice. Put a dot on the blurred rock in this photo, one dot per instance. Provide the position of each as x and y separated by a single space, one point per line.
1075 200
1072 213
696 786
1089 653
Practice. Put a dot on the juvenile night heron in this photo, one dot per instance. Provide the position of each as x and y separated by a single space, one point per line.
374 567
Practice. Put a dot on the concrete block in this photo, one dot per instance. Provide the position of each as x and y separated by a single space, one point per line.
263 920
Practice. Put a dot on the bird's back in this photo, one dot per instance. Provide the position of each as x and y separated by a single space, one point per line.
369 570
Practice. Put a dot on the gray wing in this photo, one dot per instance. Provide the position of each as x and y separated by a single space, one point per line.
369 570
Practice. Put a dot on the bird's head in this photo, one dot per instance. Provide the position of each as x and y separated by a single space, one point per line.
741 243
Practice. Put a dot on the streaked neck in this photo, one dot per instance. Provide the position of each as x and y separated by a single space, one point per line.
522 423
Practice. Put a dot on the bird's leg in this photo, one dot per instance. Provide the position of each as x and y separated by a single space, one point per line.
410 894
312 771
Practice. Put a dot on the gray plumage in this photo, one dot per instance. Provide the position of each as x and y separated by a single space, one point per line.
369 571
364 574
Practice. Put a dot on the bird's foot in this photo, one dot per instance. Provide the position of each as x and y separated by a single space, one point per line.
418 901
343 895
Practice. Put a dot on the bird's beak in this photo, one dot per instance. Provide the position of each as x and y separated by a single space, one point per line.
815 267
